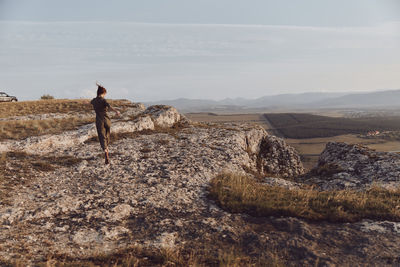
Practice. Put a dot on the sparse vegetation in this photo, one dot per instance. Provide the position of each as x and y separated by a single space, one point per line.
46 97
20 129
52 106
208 255
238 193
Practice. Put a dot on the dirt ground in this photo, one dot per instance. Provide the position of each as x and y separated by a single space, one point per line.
309 148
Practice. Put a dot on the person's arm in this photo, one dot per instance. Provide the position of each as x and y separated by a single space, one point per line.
89 103
113 109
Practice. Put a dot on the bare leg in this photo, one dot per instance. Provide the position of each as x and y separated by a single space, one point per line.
107 158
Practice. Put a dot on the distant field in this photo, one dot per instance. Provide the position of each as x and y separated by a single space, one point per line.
301 125
212 117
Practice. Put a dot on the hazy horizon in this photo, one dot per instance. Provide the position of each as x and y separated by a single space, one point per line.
207 50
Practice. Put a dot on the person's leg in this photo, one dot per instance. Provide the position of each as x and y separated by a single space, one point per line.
101 134
107 125
106 157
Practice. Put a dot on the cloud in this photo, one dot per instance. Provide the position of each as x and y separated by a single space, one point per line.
147 61
88 93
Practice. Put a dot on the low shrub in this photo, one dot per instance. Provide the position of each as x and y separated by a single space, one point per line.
46 97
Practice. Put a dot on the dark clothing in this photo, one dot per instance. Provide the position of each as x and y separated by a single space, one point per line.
103 122
100 105
103 131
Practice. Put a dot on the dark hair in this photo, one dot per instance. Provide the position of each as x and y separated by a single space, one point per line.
101 90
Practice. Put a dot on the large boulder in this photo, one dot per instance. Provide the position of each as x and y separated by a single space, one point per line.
139 124
162 115
268 155
275 157
343 166
133 110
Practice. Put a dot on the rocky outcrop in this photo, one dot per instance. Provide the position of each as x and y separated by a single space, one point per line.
269 155
343 166
133 119
273 157
163 116
154 194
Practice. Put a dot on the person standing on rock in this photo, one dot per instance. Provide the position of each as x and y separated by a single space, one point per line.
103 122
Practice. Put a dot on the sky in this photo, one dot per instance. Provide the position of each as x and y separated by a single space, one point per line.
165 49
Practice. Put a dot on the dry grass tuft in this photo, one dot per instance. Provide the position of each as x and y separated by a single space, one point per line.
238 193
19 129
138 256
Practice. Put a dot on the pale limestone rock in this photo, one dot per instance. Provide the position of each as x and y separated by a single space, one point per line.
342 166
135 110
139 124
166 240
163 116
5 146
380 227
253 139
87 237
121 211
114 233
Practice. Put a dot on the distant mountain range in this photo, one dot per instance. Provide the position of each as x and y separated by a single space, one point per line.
365 100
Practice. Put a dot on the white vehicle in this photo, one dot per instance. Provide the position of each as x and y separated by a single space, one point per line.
7 98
